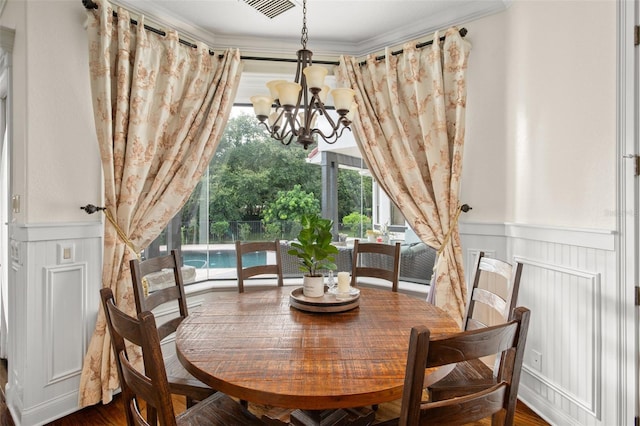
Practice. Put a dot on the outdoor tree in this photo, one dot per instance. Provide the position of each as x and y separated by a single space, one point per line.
290 206
246 175
250 168
354 193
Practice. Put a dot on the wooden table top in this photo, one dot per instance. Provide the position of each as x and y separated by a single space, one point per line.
254 346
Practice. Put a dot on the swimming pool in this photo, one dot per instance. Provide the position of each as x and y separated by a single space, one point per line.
221 258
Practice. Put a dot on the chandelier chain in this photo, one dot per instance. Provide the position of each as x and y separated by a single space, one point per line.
305 32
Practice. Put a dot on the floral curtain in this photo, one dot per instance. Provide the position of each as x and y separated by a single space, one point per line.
160 108
410 130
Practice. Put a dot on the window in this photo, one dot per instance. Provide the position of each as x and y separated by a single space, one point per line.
256 189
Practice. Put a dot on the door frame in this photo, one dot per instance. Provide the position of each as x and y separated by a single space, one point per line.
627 217
7 36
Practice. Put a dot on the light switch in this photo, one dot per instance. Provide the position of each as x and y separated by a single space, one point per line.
66 253
15 204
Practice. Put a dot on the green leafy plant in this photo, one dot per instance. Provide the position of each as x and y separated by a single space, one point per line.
314 247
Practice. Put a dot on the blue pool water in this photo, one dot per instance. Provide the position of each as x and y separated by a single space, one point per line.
221 259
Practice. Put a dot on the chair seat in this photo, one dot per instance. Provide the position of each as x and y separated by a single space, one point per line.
217 410
181 382
466 377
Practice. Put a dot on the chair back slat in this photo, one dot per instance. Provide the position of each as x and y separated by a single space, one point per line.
376 260
472 345
148 301
245 272
467 409
492 300
160 297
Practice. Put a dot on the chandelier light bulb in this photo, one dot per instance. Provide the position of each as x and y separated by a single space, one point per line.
315 75
342 99
288 93
262 105
273 87
324 93
275 120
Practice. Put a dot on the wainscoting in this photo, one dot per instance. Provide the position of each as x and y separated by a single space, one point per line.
572 373
569 283
54 278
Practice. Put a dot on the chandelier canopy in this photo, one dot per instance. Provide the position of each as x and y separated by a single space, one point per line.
290 111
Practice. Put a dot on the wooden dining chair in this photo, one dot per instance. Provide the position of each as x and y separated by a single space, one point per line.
486 293
258 249
376 260
181 382
505 341
151 385
493 297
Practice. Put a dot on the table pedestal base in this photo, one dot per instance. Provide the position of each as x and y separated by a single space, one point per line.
342 417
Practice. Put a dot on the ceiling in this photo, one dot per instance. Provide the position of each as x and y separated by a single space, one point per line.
353 27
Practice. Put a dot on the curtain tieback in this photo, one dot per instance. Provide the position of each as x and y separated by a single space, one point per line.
431 298
451 228
121 233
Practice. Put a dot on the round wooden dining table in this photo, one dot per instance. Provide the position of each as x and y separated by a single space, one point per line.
258 348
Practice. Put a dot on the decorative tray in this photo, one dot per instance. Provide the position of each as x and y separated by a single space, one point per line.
326 303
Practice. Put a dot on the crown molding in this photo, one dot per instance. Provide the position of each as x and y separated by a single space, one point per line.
465 11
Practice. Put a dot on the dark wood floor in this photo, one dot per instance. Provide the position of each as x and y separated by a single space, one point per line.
113 414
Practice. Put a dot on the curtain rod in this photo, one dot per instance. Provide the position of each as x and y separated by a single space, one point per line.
90 4
463 32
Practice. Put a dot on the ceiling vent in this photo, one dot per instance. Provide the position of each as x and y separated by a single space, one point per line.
270 8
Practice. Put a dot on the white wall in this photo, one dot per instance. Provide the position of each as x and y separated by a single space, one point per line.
56 164
541 129
484 175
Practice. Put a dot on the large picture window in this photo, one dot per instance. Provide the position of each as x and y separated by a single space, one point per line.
257 189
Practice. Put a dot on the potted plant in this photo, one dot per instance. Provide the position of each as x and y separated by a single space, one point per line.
315 251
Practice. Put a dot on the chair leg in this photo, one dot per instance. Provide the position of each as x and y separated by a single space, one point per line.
152 415
190 402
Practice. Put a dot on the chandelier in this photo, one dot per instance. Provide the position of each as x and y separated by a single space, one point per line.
290 111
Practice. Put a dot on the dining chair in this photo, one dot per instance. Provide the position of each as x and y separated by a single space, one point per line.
181 382
260 251
505 341
151 385
376 260
493 297
489 272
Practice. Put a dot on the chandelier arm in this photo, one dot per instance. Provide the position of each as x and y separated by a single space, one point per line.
333 137
334 125
283 136
328 137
